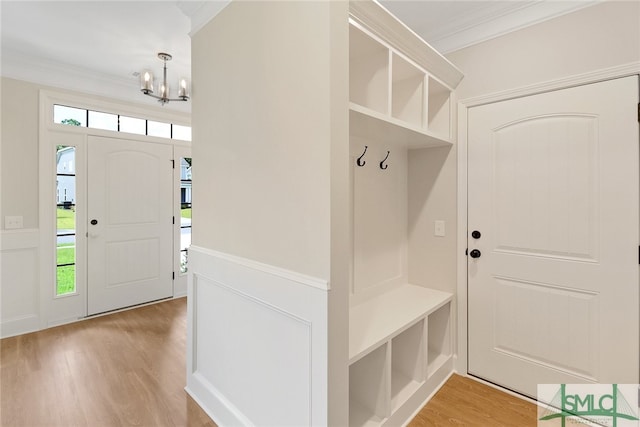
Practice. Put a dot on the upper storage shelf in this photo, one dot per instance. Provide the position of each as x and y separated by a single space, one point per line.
392 96
368 71
371 124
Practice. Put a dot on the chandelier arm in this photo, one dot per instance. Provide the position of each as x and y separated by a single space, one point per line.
160 98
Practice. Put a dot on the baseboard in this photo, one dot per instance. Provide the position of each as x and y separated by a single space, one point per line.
19 326
213 403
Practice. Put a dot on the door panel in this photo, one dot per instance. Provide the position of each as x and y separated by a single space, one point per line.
553 189
130 244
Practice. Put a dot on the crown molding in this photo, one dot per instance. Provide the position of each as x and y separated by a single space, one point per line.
19 66
377 19
495 21
201 12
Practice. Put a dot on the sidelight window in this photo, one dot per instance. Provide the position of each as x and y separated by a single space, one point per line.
185 212
65 220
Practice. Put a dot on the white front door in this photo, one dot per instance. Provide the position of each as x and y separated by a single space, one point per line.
130 214
553 194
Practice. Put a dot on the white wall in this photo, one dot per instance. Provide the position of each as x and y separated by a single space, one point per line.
594 38
261 122
431 177
19 151
270 123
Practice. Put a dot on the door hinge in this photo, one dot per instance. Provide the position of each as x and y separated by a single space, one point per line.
173 220
638 111
173 275
173 164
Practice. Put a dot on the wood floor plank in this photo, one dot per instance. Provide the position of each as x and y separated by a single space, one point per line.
465 402
124 369
128 369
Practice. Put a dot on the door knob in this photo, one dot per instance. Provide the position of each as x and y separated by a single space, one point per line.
94 221
475 253
476 234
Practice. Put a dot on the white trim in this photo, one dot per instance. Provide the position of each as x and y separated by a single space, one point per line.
55 310
292 276
497 20
596 76
23 238
461 259
110 106
561 83
45 72
19 325
201 12
380 22
231 281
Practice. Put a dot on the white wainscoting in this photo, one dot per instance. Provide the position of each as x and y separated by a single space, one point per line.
257 342
19 286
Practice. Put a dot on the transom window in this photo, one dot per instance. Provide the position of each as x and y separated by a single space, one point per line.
72 116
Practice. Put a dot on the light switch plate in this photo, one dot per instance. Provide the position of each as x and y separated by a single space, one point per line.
13 222
438 229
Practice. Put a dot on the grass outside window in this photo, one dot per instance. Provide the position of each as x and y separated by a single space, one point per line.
66 219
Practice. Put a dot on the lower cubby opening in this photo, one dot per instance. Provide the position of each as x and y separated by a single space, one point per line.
438 338
368 389
407 364
400 351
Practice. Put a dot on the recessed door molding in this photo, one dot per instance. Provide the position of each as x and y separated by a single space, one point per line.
52 310
464 105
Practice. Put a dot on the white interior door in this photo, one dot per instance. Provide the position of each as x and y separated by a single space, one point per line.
130 216
553 191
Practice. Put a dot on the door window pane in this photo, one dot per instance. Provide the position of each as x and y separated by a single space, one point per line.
163 130
69 116
65 219
106 121
133 125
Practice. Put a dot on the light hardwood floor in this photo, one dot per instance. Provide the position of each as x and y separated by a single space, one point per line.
123 369
466 402
128 369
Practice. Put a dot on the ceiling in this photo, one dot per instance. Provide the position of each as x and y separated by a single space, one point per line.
98 47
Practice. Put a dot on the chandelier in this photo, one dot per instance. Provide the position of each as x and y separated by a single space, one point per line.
146 84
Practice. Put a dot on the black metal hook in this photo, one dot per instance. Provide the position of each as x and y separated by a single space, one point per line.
382 165
361 162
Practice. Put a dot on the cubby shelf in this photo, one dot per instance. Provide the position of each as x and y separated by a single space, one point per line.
400 101
391 352
370 124
376 321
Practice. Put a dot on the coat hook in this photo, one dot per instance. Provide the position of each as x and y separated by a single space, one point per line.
361 162
382 165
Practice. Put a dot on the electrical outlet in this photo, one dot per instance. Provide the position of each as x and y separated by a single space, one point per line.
438 229
13 222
